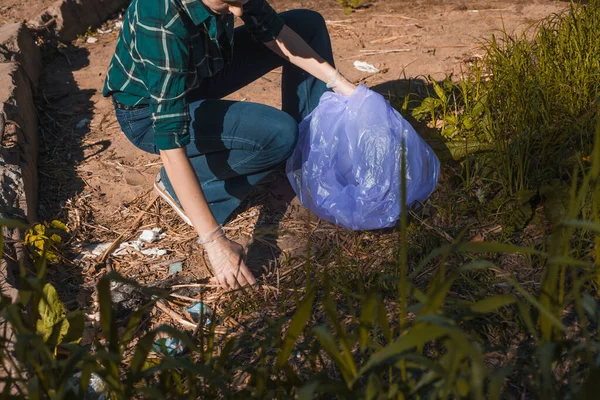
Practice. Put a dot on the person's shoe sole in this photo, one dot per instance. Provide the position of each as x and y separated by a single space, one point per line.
170 201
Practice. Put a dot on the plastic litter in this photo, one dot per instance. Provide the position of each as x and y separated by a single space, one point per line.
96 249
153 252
95 389
93 250
147 236
200 310
126 298
171 346
151 236
175 268
365 67
92 39
346 167
175 347
125 248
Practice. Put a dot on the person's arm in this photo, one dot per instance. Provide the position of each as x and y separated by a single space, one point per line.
188 190
293 48
226 257
166 59
267 27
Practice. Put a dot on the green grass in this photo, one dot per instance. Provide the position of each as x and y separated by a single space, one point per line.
351 5
533 99
422 311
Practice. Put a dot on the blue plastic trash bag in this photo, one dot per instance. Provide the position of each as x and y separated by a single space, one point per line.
346 166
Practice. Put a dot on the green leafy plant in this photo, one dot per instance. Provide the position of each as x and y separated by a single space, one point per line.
43 239
351 5
53 324
457 108
532 96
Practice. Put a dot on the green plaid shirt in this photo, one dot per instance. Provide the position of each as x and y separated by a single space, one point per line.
167 47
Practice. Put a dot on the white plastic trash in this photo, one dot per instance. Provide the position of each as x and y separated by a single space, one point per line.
365 67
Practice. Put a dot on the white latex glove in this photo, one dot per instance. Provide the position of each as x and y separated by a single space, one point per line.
226 260
340 84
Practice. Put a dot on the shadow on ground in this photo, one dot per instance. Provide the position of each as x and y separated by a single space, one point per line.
65 112
269 243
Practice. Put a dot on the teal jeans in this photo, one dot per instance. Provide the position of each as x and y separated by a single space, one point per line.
234 145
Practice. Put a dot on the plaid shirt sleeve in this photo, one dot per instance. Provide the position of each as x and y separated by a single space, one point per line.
263 23
164 54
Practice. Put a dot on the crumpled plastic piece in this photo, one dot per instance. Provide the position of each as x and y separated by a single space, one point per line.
151 236
200 310
168 346
365 67
95 390
346 167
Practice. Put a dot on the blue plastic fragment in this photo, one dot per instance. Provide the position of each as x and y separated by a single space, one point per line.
175 268
198 310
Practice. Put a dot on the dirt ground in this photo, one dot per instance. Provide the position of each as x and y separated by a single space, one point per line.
93 178
22 10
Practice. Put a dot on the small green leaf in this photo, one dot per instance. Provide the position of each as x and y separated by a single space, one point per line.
59 225
451 119
329 345
492 304
384 323
553 319
39 229
296 326
477 110
13 224
437 295
439 91
52 312
141 353
459 149
463 387
524 196
373 386
307 392
76 326
427 107
367 318
150 363
467 122
418 336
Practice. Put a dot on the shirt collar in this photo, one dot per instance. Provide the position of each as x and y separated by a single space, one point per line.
196 10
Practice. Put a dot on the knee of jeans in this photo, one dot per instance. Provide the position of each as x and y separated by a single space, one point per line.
313 19
285 137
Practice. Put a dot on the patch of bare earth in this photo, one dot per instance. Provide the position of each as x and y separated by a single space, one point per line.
22 10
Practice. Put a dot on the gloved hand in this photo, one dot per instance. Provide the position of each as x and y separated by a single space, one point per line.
340 84
227 260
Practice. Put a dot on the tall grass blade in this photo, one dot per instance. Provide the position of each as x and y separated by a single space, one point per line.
297 325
